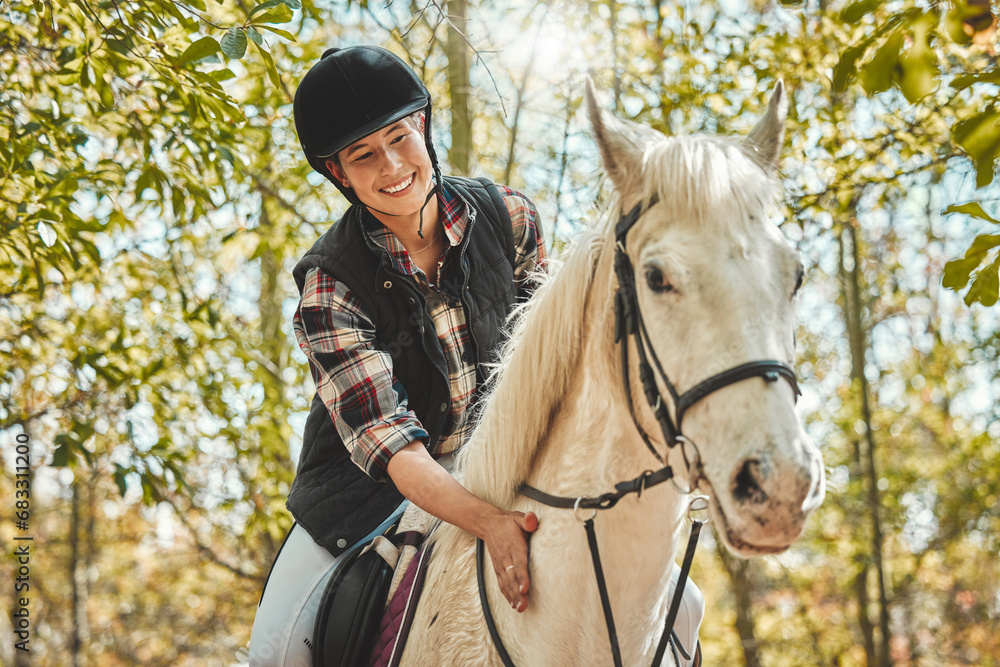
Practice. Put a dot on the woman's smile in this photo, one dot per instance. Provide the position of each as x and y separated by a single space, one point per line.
399 187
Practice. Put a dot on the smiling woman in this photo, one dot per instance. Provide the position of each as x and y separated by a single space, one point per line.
391 172
402 305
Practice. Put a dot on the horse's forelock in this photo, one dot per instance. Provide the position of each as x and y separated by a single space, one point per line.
705 179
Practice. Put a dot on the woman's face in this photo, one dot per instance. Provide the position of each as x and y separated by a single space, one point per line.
389 170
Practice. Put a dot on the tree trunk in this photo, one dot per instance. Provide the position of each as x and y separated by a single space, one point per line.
851 272
77 594
457 51
613 10
563 163
741 583
861 583
509 169
661 59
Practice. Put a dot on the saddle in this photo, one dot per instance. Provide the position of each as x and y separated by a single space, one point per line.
369 600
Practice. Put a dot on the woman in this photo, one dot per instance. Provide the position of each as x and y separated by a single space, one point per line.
402 305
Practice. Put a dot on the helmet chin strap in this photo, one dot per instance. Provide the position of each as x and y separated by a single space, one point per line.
420 229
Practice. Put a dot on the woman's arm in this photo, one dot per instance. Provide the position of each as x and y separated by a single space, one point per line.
431 488
354 379
385 439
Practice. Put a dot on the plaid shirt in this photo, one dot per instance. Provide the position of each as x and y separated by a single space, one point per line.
355 380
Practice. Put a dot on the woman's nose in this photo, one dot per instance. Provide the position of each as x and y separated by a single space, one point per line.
391 162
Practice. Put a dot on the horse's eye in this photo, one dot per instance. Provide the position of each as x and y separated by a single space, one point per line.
657 281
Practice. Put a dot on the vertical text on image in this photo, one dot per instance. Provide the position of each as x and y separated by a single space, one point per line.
21 615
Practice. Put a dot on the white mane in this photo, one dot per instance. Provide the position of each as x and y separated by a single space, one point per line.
545 341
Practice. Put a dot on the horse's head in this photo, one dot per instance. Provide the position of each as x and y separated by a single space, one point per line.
715 282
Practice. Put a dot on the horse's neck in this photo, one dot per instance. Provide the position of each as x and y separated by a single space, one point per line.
593 444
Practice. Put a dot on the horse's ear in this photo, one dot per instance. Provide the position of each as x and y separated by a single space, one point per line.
764 142
620 144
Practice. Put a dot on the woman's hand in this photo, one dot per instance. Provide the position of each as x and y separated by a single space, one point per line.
431 488
506 536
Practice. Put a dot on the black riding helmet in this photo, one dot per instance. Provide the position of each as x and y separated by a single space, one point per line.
351 93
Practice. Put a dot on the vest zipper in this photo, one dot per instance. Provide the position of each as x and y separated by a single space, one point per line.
465 290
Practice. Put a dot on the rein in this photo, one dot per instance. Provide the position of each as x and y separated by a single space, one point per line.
629 324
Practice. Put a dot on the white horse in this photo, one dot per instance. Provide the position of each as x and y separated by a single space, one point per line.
715 281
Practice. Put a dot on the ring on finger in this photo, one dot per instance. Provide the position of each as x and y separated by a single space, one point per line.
509 568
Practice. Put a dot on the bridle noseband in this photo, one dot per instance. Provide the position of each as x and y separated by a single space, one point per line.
629 324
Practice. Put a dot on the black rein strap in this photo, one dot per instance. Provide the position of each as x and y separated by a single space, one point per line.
484 601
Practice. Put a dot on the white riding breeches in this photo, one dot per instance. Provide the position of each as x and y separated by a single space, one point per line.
283 628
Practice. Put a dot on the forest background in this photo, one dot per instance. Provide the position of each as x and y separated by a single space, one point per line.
153 200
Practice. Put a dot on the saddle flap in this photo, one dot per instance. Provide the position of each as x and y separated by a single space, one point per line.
347 622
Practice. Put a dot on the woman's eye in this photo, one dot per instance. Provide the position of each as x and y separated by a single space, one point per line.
363 156
657 282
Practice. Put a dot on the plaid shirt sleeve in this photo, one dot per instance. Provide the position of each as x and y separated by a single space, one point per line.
529 249
367 403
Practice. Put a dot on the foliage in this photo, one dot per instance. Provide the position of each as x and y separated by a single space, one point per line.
917 49
153 201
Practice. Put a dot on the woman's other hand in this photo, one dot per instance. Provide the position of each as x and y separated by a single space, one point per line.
432 488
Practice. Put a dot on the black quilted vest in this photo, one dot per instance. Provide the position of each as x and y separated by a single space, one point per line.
333 499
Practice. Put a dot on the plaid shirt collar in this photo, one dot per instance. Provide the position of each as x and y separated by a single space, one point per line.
454 217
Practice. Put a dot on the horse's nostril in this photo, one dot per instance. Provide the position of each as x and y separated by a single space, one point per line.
747 483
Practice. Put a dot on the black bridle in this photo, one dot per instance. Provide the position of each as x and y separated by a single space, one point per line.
629 324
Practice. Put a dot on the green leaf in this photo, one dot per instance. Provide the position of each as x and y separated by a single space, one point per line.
281 13
919 64
966 80
222 75
974 209
877 75
979 136
107 95
986 287
292 4
272 71
198 4
120 473
957 271
858 10
255 36
204 47
846 67
983 244
234 43
60 457
281 33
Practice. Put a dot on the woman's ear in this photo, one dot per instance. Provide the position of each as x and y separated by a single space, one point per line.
337 172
